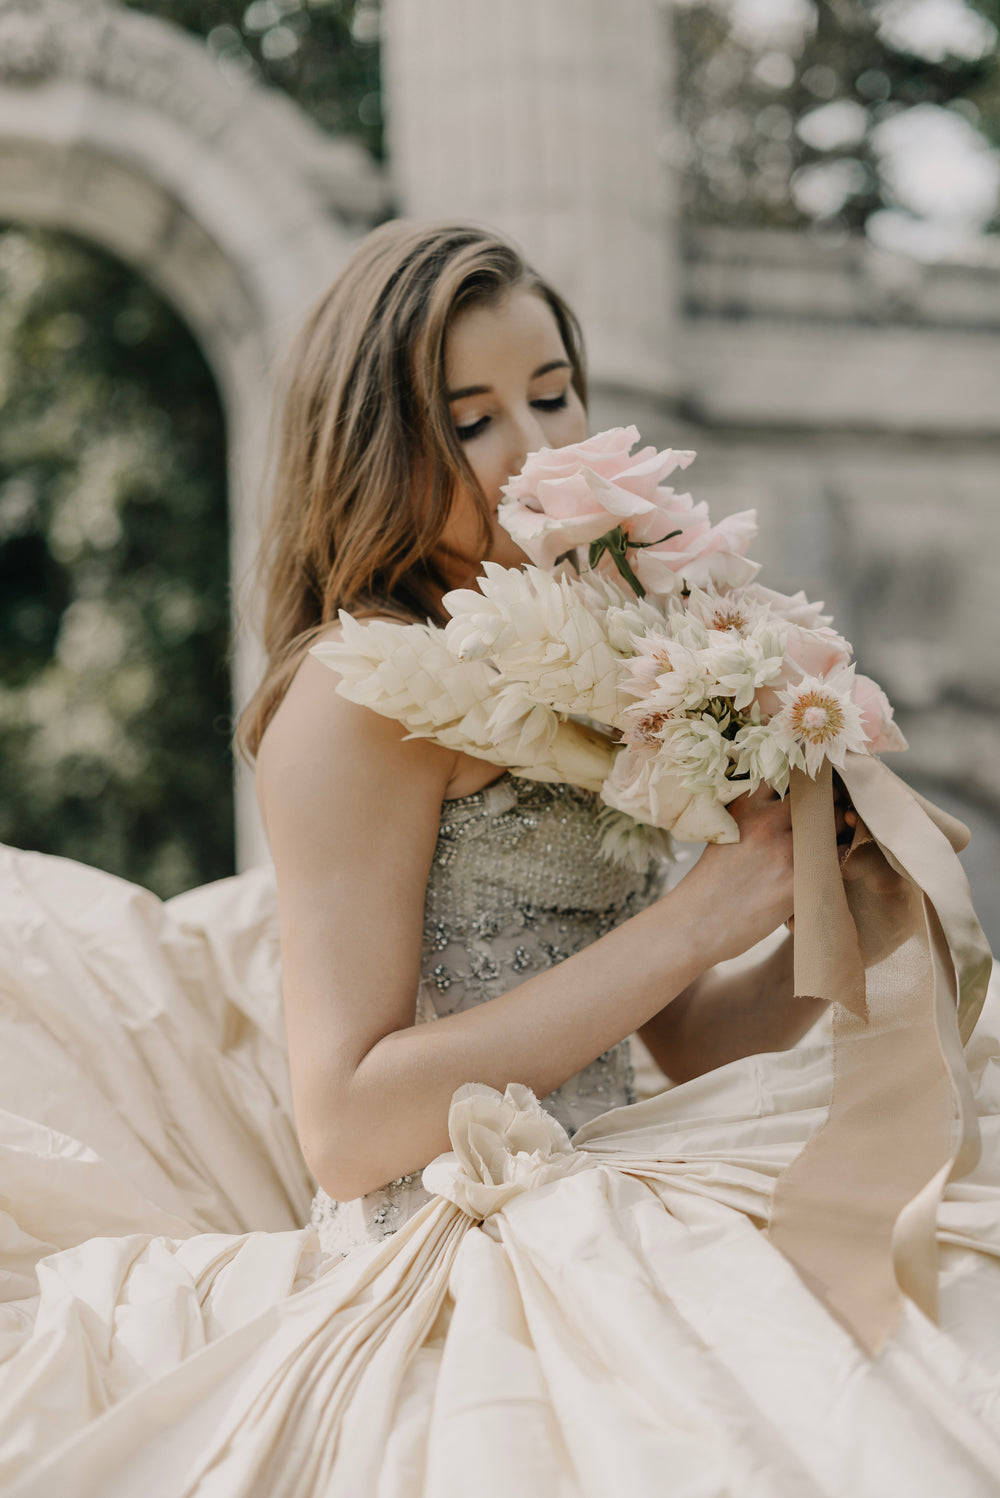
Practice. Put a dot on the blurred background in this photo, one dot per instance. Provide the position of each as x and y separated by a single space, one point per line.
778 220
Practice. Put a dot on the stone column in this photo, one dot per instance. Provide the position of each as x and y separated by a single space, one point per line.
547 119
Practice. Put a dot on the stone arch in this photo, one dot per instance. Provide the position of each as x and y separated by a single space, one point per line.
120 128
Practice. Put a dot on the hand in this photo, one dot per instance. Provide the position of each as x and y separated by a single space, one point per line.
748 885
846 820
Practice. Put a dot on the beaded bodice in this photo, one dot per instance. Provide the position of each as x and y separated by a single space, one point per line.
517 884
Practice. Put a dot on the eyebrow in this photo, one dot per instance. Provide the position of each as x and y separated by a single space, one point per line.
543 369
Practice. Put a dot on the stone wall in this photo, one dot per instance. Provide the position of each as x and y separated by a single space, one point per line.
854 400
120 128
852 397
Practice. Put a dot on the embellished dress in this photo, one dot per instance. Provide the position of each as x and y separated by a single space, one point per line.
517 884
563 1318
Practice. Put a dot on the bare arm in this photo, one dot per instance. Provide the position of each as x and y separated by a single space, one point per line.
724 1015
728 1013
352 813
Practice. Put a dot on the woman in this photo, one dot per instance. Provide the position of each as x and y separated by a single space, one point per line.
556 1319
431 369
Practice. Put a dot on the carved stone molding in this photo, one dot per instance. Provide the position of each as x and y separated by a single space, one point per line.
38 38
127 55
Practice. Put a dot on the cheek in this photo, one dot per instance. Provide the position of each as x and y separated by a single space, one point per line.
568 425
503 548
490 464
463 531
577 415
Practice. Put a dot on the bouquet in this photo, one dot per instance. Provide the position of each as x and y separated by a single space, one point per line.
643 616
636 655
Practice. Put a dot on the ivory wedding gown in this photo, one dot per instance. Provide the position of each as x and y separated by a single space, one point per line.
517 884
546 1315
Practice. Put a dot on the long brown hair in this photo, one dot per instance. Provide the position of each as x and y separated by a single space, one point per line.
368 460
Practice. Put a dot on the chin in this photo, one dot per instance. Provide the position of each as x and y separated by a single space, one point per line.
509 555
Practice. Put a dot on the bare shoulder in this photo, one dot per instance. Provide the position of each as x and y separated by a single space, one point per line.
322 755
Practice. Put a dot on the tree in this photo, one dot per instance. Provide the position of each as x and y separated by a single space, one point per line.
794 114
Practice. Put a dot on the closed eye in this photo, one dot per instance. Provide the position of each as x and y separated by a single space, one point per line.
546 403
473 429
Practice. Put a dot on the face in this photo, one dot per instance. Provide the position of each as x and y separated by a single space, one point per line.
510 392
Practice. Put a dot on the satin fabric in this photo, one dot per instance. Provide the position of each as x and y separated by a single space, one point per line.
892 939
562 1319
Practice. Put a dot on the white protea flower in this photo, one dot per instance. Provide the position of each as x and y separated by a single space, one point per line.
819 720
743 663
651 657
732 610
642 728
634 844
795 608
629 621
698 753
761 756
684 682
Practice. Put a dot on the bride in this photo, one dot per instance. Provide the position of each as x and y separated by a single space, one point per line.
578 1299
436 363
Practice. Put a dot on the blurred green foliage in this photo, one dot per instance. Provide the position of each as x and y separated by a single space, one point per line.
323 52
781 106
114 610
115 718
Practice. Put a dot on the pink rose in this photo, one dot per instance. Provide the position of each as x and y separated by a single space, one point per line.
876 717
643 786
810 644
704 555
816 652
569 496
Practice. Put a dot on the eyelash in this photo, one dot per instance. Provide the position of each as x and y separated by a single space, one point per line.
557 403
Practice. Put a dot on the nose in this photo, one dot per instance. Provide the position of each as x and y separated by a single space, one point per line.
529 436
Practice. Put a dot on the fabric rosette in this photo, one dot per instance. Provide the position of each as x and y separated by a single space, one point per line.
502 1144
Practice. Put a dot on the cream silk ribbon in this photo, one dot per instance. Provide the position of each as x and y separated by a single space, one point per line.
893 942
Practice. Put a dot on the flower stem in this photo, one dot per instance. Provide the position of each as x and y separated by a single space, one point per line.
615 544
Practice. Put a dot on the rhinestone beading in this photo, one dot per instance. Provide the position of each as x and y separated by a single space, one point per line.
517 884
